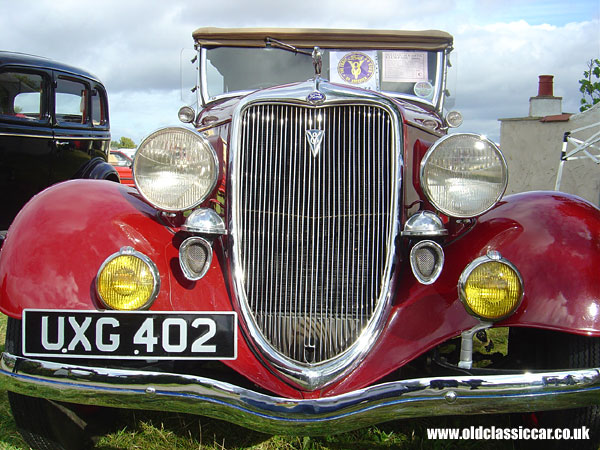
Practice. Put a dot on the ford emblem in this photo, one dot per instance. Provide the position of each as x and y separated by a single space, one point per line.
316 98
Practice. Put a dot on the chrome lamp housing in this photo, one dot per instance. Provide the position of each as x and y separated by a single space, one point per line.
195 252
464 175
175 169
491 287
127 281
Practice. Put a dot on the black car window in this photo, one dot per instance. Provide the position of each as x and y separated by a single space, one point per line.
99 115
21 95
71 101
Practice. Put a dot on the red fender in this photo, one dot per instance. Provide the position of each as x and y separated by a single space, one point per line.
62 236
554 241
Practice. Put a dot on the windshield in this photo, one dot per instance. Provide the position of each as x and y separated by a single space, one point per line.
406 73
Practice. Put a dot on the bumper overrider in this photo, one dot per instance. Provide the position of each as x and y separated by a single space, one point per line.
379 403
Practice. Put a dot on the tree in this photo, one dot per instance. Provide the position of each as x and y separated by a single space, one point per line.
124 142
590 85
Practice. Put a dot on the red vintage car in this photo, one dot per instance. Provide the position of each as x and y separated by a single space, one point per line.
122 163
312 253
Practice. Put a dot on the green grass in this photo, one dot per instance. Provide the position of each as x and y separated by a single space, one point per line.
9 436
153 431
159 431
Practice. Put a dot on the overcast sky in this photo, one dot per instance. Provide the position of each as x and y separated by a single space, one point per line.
134 46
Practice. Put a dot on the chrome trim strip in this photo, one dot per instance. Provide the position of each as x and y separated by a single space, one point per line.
383 402
70 137
203 78
50 136
212 125
43 136
442 65
312 376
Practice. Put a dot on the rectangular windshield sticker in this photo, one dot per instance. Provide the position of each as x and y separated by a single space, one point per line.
404 67
359 68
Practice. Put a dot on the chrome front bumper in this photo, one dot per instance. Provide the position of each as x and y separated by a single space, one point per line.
364 407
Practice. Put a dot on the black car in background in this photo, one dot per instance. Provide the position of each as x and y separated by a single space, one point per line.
54 126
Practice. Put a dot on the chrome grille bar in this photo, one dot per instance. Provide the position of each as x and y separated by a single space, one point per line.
315 231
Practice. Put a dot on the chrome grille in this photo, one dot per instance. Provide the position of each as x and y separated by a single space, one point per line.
314 231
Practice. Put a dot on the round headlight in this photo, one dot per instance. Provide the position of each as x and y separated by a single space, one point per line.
175 169
464 175
186 114
490 288
127 281
454 119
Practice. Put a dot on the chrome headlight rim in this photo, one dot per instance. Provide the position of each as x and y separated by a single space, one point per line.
186 114
430 195
130 251
491 256
212 152
454 119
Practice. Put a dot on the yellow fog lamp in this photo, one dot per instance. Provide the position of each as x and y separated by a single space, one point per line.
490 287
128 280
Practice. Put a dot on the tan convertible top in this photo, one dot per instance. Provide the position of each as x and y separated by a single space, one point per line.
325 38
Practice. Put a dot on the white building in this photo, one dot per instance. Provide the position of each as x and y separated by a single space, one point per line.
532 147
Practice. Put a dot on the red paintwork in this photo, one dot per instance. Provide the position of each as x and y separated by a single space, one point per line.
551 237
59 240
125 175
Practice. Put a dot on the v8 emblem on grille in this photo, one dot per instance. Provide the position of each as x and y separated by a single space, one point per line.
315 138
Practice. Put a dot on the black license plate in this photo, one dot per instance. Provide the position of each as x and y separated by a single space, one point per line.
139 335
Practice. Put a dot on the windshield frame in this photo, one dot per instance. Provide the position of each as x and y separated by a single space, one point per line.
436 102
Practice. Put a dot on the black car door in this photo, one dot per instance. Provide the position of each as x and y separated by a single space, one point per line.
26 137
79 135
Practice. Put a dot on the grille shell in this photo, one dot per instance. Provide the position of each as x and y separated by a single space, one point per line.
314 235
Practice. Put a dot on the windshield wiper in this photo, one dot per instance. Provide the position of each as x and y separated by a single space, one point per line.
270 42
316 53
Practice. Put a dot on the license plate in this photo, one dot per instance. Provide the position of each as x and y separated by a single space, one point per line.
138 335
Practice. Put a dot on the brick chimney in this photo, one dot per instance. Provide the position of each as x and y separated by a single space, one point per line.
545 103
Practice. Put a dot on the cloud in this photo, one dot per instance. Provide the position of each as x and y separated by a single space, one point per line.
134 46
499 65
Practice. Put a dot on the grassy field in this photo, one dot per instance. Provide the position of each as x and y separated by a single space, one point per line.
153 431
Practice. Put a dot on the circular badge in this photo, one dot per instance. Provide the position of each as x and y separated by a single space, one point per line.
356 68
316 98
423 89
